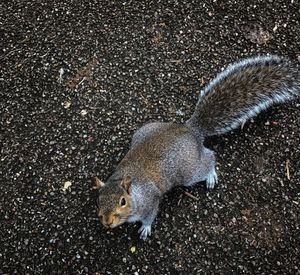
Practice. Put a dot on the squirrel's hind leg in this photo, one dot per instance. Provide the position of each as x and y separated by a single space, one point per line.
204 170
208 168
211 179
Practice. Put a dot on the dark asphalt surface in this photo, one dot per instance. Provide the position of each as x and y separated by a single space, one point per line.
78 77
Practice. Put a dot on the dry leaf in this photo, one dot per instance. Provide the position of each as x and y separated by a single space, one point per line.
67 104
83 112
67 185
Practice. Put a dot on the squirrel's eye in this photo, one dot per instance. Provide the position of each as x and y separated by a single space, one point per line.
122 202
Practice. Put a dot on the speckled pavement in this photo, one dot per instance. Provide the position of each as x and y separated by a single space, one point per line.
78 77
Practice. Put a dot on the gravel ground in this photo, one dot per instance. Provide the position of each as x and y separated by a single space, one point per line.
78 77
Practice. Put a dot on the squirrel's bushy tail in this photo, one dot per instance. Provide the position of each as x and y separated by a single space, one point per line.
242 91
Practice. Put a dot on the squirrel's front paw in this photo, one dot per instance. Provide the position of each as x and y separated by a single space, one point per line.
145 231
211 179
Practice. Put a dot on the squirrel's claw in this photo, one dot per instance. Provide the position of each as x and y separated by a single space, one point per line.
145 231
211 179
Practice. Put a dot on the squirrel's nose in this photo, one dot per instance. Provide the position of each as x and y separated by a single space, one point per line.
106 220
109 221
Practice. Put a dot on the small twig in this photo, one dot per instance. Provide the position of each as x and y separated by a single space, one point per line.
190 195
179 202
177 61
202 81
287 169
61 73
81 81
95 108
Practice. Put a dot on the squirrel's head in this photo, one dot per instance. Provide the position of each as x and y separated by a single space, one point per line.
114 201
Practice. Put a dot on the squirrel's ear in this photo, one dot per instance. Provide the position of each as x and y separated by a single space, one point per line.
126 183
99 183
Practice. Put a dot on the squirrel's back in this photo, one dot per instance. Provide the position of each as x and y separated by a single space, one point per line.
242 91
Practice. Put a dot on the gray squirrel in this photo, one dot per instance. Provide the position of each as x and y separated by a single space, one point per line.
165 155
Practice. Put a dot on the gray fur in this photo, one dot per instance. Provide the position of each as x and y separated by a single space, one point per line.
164 155
242 91
145 132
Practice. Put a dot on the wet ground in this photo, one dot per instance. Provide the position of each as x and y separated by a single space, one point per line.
78 77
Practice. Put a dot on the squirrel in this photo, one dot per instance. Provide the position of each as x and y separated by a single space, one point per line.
164 155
